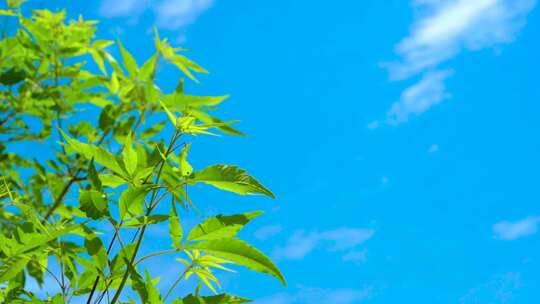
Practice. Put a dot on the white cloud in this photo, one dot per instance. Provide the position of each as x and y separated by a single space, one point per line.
373 125
173 14
122 8
168 14
500 289
355 256
433 148
441 30
418 98
446 27
267 232
308 295
506 230
301 243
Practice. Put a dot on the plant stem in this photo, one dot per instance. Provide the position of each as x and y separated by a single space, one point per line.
149 210
176 283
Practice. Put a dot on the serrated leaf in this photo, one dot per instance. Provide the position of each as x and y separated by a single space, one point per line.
175 228
148 69
94 247
111 180
43 238
231 178
185 168
216 299
127 59
171 116
93 203
208 119
12 76
129 156
145 220
12 267
93 177
4 12
221 226
100 155
115 84
240 253
131 202
181 102
153 130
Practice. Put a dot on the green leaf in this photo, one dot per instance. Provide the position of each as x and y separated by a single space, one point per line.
4 12
148 70
121 259
114 85
153 130
231 178
93 177
221 226
128 60
208 119
12 76
240 253
145 220
93 203
185 168
181 102
131 201
130 156
138 285
171 116
153 293
44 238
36 268
216 299
100 155
111 180
94 247
15 3
175 228
12 267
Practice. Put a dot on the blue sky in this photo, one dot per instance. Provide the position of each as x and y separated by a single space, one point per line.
401 138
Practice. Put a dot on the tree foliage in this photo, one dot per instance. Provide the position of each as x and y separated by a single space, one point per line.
109 161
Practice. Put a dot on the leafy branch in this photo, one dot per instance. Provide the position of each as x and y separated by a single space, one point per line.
115 163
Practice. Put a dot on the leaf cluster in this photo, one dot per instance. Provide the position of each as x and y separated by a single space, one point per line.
114 147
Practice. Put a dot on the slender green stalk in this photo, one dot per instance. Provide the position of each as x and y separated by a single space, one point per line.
173 286
175 137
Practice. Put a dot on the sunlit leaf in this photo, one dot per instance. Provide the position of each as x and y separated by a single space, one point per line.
175 228
231 178
93 203
221 226
241 253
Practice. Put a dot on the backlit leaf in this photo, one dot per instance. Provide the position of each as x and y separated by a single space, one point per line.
93 203
231 178
221 226
240 253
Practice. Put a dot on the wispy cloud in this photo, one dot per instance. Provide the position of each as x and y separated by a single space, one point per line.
506 230
167 14
373 125
267 232
301 243
500 289
441 30
433 148
174 14
418 98
357 257
309 295
122 8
